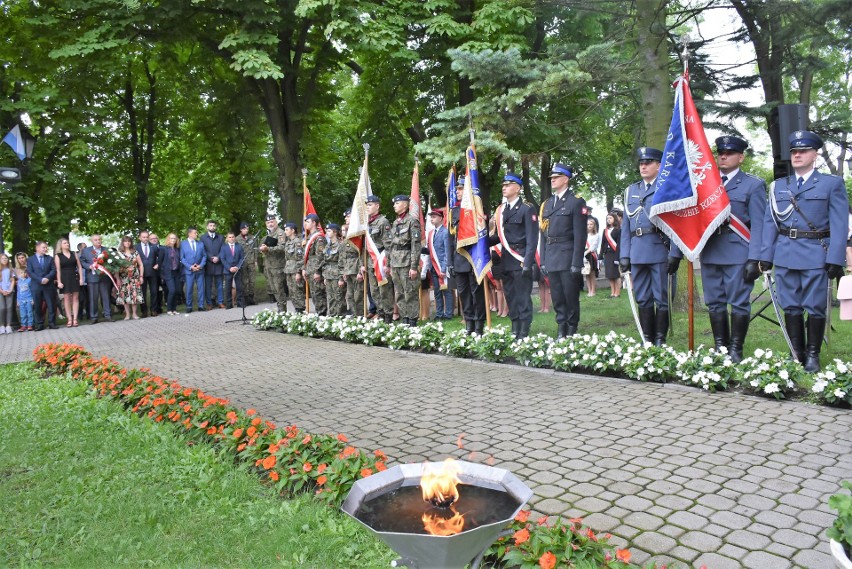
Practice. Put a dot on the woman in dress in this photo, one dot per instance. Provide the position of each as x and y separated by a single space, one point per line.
609 252
69 275
7 294
129 279
170 271
593 242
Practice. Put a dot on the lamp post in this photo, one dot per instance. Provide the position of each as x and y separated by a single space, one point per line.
11 176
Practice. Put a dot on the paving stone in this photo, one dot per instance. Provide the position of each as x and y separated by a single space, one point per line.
716 561
700 541
764 560
795 539
592 504
775 519
748 539
731 520
653 541
813 559
643 521
688 520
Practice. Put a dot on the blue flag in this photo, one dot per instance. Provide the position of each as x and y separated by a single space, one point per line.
472 232
16 141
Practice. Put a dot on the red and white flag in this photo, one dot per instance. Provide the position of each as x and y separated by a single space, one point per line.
359 226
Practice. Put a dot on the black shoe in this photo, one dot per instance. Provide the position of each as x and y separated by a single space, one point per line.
662 327
816 333
479 327
515 332
412 322
523 330
719 326
562 331
469 327
570 330
93 321
53 327
795 325
648 323
739 329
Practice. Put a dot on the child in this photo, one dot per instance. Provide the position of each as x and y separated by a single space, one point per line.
7 294
25 302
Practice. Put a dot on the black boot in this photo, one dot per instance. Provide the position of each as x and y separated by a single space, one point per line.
646 320
388 318
570 330
523 330
479 327
816 333
795 324
562 331
412 322
662 327
739 329
719 326
469 326
515 332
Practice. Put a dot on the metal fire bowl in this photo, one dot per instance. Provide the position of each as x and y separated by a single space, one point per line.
435 551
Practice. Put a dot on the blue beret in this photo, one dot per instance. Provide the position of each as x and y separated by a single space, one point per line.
244 225
347 212
803 139
460 181
560 169
312 216
648 153
401 198
290 225
333 226
734 143
373 198
270 216
512 178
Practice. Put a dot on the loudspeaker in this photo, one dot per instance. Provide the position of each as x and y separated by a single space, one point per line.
790 119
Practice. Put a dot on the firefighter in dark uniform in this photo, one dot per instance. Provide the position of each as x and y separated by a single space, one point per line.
471 293
517 232
804 235
729 259
563 241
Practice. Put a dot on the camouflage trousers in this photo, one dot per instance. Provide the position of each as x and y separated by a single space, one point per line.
382 295
318 295
334 297
297 292
277 283
407 293
247 274
354 295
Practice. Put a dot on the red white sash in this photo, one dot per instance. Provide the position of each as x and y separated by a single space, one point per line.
608 236
436 264
499 219
377 258
740 228
314 236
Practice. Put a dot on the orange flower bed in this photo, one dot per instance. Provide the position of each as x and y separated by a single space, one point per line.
283 456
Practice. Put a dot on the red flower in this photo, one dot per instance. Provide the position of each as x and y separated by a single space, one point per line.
321 468
523 516
542 521
306 440
238 433
622 555
342 438
365 472
521 536
307 467
274 475
380 467
256 421
269 461
547 561
349 451
322 480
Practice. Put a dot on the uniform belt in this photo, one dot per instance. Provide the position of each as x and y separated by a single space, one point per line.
640 232
724 229
518 245
794 233
561 239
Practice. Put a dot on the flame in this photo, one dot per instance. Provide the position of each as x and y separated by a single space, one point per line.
435 524
440 485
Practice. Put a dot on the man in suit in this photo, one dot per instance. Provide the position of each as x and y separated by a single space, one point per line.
471 292
646 252
805 229
193 259
563 242
160 296
213 271
438 244
42 273
232 255
148 256
729 260
98 283
517 232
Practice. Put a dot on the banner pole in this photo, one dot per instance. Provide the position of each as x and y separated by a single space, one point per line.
690 293
304 214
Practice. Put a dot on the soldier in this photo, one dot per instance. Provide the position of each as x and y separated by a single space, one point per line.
646 252
249 268
729 260
331 271
804 235
351 277
380 231
404 260
294 255
517 232
563 241
314 246
274 254
471 292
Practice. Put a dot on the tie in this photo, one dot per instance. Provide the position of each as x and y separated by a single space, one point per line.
724 179
801 181
647 188
41 257
192 245
232 250
145 249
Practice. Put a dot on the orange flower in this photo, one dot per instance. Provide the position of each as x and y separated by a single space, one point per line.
210 431
321 468
591 535
269 461
349 451
380 455
306 440
232 417
380 467
365 472
521 536
251 431
307 467
250 412
322 480
622 555
547 561
256 421
241 447
523 516
274 475
342 438
238 433
542 521
201 426
272 449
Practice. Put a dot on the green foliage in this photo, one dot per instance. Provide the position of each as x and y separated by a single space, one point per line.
841 530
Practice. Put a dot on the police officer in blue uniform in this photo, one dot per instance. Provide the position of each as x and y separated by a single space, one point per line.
517 231
563 241
729 259
646 252
471 293
804 236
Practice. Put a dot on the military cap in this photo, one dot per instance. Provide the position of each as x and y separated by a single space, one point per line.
460 181
438 211
347 212
373 198
648 153
244 225
290 225
512 178
401 198
805 139
333 226
734 143
560 169
270 216
312 216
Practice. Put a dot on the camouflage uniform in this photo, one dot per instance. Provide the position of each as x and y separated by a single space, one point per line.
331 274
349 263
405 256
274 269
313 265
249 268
380 230
293 267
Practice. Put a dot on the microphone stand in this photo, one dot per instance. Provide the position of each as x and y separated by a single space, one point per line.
241 294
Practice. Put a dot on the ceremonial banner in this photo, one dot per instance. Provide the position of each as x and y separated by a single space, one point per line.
309 205
472 233
415 208
16 141
690 201
451 196
359 226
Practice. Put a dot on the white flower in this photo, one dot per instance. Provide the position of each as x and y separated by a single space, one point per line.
707 360
783 374
839 393
640 371
830 374
758 353
754 383
771 388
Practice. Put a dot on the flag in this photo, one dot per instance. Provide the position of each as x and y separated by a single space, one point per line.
416 206
472 232
451 196
309 204
690 202
16 141
359 226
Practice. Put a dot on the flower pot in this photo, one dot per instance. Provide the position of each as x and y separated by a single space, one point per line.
841 560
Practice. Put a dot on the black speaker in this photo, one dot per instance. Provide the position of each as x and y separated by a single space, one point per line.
790 119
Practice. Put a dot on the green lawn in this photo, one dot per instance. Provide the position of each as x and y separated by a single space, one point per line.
85 484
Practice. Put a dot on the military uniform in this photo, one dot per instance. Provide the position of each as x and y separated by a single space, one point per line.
380 231
725 275
331 275
274 268
249 267
471 292
563 241
349 264
804 236
295 261
404 257
314 262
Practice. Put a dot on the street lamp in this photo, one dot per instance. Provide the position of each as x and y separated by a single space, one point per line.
10 175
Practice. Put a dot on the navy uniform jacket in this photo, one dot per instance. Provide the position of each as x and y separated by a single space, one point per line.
823 201
458 262
747 194
563 233
520 227
649 248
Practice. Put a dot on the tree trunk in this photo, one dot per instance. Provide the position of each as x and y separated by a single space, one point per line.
652 49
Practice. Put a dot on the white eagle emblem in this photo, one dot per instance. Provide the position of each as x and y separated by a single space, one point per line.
693 157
